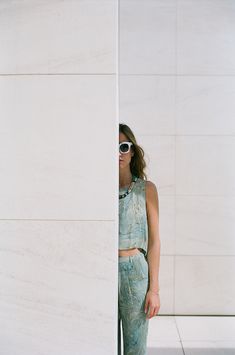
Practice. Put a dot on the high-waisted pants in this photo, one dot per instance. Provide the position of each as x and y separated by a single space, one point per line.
133 282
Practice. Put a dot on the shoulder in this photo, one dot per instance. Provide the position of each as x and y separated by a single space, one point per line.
150 186
151 191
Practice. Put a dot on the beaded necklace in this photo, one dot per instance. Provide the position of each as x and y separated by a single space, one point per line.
134 178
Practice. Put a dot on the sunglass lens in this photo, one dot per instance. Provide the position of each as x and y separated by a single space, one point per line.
124 147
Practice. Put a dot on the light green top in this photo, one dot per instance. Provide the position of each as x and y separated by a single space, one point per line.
133 226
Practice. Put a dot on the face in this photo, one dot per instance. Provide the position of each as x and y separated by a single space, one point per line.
124 158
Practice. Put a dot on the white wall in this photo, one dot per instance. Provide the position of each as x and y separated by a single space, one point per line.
177 92
58 180
58 177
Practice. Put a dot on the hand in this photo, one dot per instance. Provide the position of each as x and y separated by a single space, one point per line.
152 303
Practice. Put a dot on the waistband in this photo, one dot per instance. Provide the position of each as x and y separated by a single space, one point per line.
129 258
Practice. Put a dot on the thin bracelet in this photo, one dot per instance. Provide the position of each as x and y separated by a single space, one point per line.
156 293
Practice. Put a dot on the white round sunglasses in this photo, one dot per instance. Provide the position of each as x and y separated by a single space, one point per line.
124 147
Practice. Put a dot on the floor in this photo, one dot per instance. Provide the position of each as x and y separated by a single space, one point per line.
191 335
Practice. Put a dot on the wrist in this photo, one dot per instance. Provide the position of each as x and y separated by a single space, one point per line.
156 292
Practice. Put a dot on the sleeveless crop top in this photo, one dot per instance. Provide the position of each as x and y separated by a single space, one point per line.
133 226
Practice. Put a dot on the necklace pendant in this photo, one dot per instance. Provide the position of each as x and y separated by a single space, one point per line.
134 179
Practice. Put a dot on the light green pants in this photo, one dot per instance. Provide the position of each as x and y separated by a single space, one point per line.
133 282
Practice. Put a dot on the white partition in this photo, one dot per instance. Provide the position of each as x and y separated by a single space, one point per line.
59 175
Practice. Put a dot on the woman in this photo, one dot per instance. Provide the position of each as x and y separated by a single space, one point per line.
139 247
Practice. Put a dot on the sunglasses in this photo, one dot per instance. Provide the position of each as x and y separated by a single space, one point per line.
124 147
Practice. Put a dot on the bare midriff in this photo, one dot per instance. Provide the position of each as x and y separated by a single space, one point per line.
128 252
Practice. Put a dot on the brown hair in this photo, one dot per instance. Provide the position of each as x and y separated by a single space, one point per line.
137 164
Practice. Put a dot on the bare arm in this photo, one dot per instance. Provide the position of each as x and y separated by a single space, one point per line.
154 244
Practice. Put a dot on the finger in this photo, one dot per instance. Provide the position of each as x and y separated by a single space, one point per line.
155 312
146 307
150 314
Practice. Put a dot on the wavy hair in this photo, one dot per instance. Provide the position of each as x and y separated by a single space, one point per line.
137 164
